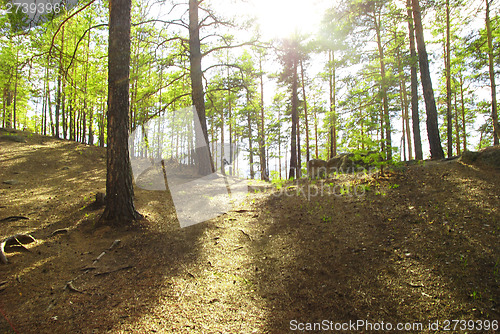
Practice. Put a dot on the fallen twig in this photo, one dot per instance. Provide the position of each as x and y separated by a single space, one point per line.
70 287
246 234
115 244
113 271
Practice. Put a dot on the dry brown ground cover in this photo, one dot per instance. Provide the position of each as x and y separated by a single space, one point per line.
421 244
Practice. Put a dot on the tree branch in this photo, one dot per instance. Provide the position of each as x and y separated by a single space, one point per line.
63 22
223 47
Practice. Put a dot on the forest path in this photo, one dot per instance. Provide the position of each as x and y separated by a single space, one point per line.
419 244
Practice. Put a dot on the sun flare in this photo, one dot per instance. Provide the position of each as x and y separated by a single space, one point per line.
282 18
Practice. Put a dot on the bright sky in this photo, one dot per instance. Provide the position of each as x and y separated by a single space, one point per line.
281 18
278 18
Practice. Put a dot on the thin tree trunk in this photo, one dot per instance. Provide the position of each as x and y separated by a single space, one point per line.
279 142
262 148
316 131
430 103
449 125
383 88
59 83
293 145
494 113
14 111
231 150
305 110
299 151
333 126
91 124
457 127
404 105
464 130
414 86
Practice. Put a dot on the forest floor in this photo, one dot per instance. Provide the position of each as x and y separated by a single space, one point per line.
419 244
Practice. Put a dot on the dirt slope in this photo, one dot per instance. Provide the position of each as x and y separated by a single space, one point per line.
421 244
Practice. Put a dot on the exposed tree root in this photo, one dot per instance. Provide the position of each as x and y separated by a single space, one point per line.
12 218
16 240
59 231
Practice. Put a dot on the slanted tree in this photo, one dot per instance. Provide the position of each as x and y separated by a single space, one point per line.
119 189
430 102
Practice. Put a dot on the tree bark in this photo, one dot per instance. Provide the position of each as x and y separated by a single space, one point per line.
430 103
293 149
250 142
333 126
204 158
383 88
494 112
306 122
264 175
464 130
414 87
449 125
119 189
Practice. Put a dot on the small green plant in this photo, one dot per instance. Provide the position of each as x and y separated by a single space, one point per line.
463 260
394 186
475 295
496 268
326 219
344 190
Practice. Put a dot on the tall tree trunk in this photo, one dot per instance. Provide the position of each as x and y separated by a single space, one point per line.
464 130
231 149
16 80
279 143
316 132
449 125
494 112
264 174
306 122
119 188
404 103
72 111
59 83
383 90
293 147
415 116
333 124
101 126
91 129
204 158
63 109
299 151
430 103
250 142
8 98
457 126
